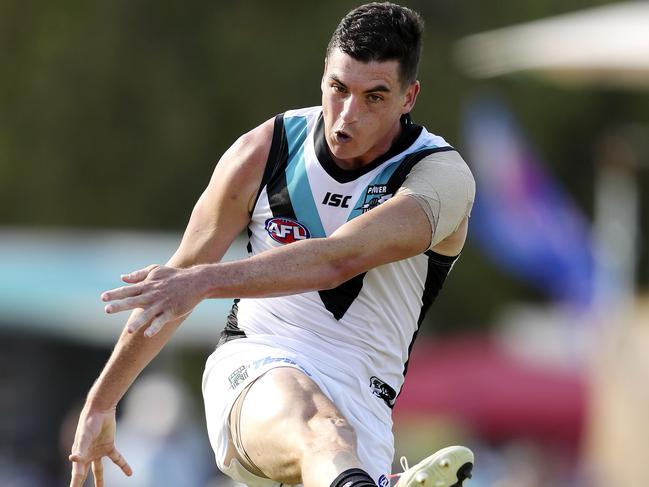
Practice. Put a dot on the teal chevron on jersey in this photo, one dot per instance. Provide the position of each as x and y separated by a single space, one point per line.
296 131
297 181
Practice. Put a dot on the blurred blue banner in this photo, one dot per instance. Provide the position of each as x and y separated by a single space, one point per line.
522 218
51 281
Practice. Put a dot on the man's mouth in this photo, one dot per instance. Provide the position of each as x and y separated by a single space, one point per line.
342 137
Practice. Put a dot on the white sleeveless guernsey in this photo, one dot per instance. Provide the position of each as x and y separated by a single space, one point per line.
368 324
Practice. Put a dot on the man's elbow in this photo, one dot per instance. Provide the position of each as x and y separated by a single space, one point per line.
339 272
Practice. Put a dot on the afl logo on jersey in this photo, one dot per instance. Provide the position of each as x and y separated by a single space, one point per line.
286 230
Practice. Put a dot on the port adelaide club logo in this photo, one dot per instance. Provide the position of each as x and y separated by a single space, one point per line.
382 390
374 196
286 230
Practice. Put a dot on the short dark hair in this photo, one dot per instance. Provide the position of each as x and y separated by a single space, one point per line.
382 32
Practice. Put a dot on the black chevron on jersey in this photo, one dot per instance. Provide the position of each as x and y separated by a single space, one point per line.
339 299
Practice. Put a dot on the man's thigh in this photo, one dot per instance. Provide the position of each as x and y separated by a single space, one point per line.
283 418
230 371
277 410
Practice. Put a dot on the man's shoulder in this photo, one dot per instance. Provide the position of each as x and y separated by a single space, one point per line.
439 153
308 112
429 140
446 161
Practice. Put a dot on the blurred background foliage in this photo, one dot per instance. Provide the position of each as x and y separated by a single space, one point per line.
115 113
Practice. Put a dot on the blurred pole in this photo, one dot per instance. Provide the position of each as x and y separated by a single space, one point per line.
616 221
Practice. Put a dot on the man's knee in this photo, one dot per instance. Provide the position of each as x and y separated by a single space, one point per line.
329 430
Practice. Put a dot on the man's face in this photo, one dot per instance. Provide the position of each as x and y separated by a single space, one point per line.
362 105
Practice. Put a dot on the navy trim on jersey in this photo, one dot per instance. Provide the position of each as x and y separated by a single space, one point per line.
277 160
276 188
285 159
249 245
231 330
400 175
277 157
407 137
438 268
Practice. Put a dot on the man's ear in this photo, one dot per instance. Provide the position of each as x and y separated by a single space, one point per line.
410 97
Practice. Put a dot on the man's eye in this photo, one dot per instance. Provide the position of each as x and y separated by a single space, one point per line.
374 98
338 88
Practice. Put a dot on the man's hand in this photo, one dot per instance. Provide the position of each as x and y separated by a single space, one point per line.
95 439
163 293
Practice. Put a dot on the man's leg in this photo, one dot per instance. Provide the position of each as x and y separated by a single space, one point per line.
292 433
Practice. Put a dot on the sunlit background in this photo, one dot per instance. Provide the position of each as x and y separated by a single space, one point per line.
536 354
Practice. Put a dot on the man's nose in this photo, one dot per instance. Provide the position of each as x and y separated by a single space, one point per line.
351 107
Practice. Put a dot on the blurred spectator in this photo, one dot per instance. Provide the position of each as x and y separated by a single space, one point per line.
159 437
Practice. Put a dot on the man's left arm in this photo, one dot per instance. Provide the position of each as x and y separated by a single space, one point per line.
395 230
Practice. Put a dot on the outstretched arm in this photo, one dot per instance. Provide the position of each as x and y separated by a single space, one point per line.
395 230
220 214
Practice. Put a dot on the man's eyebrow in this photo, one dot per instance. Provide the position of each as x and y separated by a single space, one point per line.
335 78
377 88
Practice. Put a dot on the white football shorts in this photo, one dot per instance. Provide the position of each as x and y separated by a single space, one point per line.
237 363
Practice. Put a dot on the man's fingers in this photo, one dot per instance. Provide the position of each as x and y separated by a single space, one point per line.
80 448
140 275
144 318
157 324
79 473
119 460
138 301
98 472
121 293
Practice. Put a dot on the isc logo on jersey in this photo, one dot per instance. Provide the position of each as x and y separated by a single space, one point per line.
286 230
